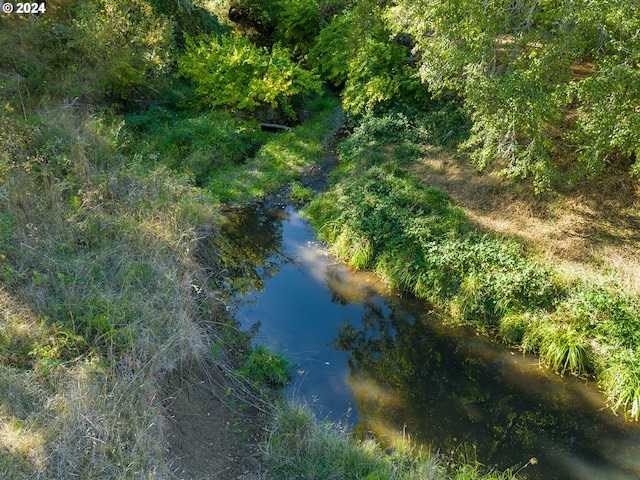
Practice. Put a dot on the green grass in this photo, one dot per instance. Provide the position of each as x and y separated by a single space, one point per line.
299 193
226 153
298 444
280 160
193 143
378 216
265 366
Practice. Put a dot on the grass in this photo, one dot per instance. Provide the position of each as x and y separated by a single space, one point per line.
102 294
379 216
104 232
280 160
194 143
300 194
298 444
266 366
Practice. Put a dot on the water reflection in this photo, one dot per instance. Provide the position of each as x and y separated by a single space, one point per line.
457 388
402 372
250 247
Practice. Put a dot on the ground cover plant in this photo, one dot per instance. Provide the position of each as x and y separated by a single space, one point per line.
378 216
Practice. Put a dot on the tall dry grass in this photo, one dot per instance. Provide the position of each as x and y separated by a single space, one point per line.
103 293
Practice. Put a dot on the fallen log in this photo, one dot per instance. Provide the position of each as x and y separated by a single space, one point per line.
273 127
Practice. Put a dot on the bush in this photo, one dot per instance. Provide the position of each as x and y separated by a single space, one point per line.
298 24
231 71
334 49
357 50
378 74
197 143
128 44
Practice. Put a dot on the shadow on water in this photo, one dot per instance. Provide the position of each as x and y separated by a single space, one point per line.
389 366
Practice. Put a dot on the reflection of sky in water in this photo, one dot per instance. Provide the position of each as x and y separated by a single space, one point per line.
298 317
403 373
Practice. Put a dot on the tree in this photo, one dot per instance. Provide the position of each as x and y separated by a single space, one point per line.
357 51
511 62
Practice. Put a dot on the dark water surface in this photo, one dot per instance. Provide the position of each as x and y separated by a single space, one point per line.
387 365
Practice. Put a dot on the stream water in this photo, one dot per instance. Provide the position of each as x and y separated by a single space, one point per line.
387 366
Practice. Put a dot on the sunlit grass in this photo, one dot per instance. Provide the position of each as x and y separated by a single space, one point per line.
299 444
102 294
279 161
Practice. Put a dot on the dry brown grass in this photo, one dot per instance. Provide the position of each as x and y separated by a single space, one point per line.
104 250
589 228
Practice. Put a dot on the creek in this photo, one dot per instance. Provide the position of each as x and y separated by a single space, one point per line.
386 365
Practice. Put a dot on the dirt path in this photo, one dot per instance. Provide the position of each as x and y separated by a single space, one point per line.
209 438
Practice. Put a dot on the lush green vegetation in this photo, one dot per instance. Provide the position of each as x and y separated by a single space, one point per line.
380 217
533 76
124 123
266 366
230 70
525 67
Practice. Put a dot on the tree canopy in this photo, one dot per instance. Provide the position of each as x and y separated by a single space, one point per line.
525 67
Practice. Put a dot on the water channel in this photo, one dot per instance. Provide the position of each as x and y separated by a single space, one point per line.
386 365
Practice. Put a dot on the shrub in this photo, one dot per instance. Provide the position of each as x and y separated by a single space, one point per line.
231 71
356 50
197 143
334 49
379 73
128 45
298 24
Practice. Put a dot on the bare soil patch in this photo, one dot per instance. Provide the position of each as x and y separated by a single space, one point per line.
591 227
208 437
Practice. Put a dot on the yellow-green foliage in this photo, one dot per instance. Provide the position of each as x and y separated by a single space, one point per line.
230 70
514 67
298 23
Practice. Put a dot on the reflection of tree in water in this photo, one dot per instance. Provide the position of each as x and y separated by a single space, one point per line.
250 247
448 394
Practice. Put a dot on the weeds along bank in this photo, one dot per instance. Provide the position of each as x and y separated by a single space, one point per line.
378 216
298 444
102 294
